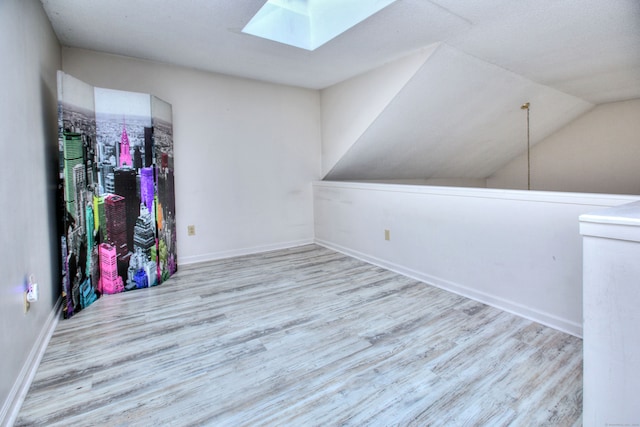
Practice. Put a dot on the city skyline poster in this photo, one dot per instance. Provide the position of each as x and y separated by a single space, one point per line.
116 171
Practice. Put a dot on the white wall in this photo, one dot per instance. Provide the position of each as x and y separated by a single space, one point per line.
30 56
598 153
516 250
441 182
611 347
246 152
349 107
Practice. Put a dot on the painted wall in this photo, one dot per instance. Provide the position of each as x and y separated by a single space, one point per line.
599 152
611 347
440 182
350 107
516 250
30 57
246 152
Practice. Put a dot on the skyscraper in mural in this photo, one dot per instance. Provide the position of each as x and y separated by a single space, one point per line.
148 147
147 189
116 217
79 183
72 155
125 185
110 281
137 158
90 224
100 217
109 183
125 149
144 237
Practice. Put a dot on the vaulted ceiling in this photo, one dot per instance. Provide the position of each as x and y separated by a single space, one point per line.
455 115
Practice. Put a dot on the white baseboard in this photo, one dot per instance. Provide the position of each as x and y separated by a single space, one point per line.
243 251
546 319
18 392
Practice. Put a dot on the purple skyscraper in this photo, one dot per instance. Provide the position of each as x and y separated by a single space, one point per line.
125 152
147 188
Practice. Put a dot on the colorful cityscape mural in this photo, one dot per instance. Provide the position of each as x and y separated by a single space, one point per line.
116 170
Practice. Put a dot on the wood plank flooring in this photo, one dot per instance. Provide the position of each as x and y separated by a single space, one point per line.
302 337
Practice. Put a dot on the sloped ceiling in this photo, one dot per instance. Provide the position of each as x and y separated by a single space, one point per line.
465 122
455 117
589 49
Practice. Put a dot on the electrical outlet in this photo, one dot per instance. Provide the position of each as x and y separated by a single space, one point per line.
25 293
191 230
387 235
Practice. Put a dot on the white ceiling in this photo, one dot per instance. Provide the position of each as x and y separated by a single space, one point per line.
587 48
455 118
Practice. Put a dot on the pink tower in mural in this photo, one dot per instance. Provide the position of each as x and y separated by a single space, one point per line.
110 282
125 151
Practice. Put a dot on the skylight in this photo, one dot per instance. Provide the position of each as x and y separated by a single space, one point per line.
308 24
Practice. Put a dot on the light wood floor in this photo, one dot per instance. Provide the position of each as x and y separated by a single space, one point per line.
302 337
